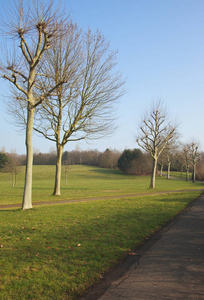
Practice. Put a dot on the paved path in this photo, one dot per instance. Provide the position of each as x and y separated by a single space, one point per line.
173 267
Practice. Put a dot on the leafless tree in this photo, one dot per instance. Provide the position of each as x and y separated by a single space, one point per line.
155 133
169 152
187 160
161 162
13 166
109 159
194 154
82 108
34 26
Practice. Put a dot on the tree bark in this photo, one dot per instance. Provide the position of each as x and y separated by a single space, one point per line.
27 197
168 170
13 176
194 172
187 174
161 170
154 168
58 171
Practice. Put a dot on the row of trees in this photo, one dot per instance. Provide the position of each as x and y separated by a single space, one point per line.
133 162
182 159
159 137
64 87
106 159
63 81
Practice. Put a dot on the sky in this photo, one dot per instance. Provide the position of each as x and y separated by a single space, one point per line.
160 46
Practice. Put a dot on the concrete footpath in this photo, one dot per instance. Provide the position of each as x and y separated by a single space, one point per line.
169 266
173 267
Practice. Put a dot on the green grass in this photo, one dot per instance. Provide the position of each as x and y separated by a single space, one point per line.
58 251
41 257
178 175
84 182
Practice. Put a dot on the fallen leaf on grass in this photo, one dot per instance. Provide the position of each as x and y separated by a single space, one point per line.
132 253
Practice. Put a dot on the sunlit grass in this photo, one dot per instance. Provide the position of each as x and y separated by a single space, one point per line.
84 182
56 252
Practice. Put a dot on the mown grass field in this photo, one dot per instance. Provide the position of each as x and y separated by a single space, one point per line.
84 182
178 175
58 251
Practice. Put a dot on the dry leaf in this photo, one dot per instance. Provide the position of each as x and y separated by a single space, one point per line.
132 253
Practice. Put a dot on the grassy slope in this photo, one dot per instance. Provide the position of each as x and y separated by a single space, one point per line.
81 185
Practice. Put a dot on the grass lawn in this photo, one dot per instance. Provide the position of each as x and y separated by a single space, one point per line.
58 251
178 175
84 182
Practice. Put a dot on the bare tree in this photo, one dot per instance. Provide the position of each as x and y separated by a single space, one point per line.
34 27
155 133
82 108
161 162
179 159
13 166
193 152
187 160
169 152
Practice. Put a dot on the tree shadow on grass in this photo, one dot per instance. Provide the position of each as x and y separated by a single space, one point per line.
107 171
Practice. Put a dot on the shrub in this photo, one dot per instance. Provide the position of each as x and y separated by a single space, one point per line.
135 162
3 160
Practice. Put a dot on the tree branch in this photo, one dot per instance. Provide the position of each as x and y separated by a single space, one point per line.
16 84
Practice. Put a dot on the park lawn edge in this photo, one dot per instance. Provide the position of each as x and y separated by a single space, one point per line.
120 210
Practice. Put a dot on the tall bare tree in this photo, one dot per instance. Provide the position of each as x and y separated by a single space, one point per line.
82 108
194 154
155 133
34 25
186 155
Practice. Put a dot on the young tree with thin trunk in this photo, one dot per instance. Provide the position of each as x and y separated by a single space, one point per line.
34 25
187 160
193 152
154 135
169 152
161 162
12 166
82 108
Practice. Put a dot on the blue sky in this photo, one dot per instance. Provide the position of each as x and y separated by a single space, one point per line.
160 47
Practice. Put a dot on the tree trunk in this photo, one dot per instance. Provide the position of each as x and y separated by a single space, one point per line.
161 170
168 170
154 168
58 171
13 177
187 175
66 177
27 197
194 172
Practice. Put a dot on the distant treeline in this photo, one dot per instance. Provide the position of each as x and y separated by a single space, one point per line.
106 159
132 162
